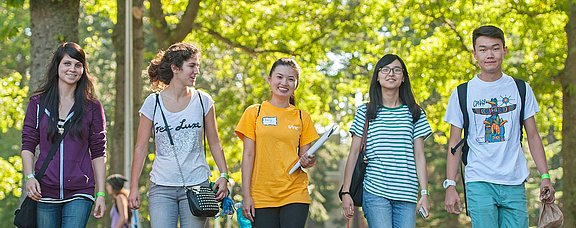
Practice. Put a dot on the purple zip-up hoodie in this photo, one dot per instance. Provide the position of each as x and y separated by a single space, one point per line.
70 171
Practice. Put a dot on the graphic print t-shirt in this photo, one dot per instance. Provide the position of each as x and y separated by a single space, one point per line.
186 128
495 155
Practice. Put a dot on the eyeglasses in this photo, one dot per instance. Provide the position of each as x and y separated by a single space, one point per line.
387 70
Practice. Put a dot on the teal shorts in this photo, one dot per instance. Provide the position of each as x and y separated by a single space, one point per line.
495 205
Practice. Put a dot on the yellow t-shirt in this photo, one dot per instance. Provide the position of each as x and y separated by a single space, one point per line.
276 133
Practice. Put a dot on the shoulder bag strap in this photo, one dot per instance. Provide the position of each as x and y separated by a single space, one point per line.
52 151
203 121
364 138
171 141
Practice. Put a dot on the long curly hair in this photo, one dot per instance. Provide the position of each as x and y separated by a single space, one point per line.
159 69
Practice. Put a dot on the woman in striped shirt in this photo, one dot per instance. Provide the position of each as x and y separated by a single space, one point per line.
394 149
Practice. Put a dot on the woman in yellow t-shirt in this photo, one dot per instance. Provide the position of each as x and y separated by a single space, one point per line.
272 197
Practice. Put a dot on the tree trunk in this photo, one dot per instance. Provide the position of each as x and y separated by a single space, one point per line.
568 79
118 38
138 61
162 32
52 22
116 153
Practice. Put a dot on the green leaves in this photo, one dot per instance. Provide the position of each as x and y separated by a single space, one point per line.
12 99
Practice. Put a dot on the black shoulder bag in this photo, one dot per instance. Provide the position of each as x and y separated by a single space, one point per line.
25 216
357 182
201 199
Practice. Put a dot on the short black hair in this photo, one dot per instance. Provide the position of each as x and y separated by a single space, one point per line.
489 31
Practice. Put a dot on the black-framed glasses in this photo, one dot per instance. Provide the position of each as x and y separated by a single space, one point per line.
387 70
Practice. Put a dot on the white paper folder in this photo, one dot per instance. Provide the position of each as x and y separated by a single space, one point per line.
316 145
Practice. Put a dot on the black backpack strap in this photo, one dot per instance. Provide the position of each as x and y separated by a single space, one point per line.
462 90
522 90
301 130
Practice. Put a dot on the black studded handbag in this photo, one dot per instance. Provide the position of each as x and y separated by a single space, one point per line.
202 201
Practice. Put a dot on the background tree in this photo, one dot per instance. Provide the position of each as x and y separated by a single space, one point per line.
51 22
118 39
568 79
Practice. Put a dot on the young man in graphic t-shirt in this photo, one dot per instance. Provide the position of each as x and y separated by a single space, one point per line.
496 168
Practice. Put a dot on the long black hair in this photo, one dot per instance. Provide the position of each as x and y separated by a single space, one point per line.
116 181
406 95
291 63
49 94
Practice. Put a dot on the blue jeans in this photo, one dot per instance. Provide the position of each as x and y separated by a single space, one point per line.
496 205
381 212
70 214
167 203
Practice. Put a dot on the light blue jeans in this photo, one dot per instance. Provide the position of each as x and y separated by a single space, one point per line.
71 214
167 203
496 205
381 212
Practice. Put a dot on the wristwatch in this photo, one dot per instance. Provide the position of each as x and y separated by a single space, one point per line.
447 183
424 192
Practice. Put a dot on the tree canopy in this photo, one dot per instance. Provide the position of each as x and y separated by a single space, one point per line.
337 44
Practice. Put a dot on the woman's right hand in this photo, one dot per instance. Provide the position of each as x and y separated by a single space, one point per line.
33 189
347 206
134 199
248 208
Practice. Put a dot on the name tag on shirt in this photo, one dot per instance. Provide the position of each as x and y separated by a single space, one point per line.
269 121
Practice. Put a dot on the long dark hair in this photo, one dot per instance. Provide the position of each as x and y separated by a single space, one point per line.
49 94
406 95
116 181
291 63
160 71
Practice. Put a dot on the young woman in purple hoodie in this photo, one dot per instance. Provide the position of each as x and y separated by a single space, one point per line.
67 191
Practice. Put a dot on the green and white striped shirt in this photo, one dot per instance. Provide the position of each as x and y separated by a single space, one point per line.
391 170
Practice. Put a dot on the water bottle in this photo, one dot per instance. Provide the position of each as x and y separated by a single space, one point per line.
242 221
